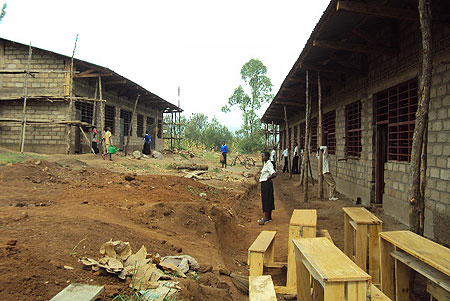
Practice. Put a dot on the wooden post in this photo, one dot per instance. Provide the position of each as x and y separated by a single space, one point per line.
320 134
69 126
418 150
102 105
25 93
131 123
288 142
87 139
274 137
94 113
307 138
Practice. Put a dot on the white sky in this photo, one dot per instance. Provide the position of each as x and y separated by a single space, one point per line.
199 45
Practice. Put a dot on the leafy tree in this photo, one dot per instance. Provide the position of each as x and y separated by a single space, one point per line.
215 133
253 73
195 126
3 12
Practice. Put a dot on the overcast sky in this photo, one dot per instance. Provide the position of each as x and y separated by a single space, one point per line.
198 45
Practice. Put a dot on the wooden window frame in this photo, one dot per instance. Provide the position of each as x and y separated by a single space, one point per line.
353 145
397 108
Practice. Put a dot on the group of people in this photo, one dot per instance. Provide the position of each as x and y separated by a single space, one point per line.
268 172
107 143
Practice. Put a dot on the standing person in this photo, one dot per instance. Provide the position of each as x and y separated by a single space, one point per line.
267 198
286 162
273 157
95 140
147 140
295 160
107 140
327 176
224 150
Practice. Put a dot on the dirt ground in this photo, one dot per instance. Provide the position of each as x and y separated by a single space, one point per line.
56 209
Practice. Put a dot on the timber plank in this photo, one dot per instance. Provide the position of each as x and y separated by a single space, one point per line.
426 250
263 241
262 289
79 292
301 217
361 215
328 261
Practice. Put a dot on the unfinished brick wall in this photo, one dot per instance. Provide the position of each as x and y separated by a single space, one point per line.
16 57
39 138
356 177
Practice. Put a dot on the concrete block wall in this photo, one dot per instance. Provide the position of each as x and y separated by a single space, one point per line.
87 88
16 57
38 138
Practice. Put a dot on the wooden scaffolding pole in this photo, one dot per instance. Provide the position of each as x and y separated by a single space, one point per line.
94 113
320 134
87 139
418 167
102 106
288 142
131 123
69 127
307 139
25 94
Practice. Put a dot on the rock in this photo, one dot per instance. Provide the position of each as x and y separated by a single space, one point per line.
202 194
137 155
129 178
68 267
11 242
157 155
205 268
38 162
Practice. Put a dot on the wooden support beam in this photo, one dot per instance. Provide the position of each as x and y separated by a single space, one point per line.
320 138
381 11
289 103
25 94
352 47
131 124
115 82
97 74
332 69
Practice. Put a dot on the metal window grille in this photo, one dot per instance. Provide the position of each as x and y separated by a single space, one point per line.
126 116
329 131
159 128
295 134
397 108
86 111
313 135
110 117
289 136
140 126
150 121
353 129
302 135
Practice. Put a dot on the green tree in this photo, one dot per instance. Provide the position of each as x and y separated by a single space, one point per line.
3 12
195 126
215 133
253 73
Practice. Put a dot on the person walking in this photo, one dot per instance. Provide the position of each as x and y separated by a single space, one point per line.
224 150
286 162
95 140
327 176
267 198
273 157
295 160
107 140
147 140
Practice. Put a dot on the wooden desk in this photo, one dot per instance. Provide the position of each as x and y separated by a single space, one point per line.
402 250
261 252
361 230
332 272
302 224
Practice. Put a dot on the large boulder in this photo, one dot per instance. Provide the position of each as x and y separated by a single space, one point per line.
157 155
137 155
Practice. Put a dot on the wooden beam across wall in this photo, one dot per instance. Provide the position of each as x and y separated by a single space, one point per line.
377 10
352 47
289 103
332 69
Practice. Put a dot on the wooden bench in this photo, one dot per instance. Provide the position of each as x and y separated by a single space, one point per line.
334 275
261 252
437 293
324 233
376 295
361 230
261 288
302 224
404 250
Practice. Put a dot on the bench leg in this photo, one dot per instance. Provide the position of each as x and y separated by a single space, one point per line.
256 264
317 291
334 291
309 232
348 237
270 253
374 253
401 281
386 274
357 291
303 279
361 247
294 233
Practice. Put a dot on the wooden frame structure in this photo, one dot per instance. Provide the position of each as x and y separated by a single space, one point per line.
361 229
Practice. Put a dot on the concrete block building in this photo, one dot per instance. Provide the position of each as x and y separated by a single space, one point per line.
368 58
48 101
